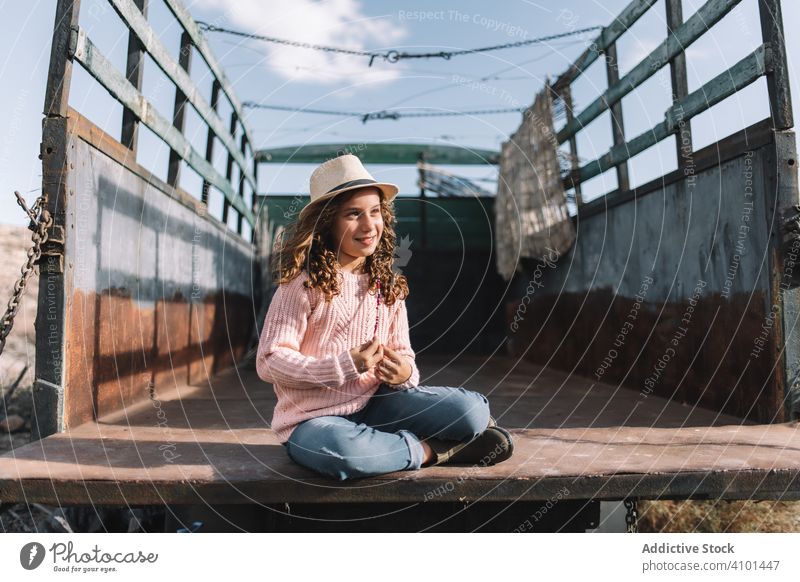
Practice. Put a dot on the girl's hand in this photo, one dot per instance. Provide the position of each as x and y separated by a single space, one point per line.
393 368
367 355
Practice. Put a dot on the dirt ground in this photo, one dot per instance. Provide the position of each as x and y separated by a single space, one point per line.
661 516
20 347
19 352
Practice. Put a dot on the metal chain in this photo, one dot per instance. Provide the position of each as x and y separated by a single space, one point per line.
40 222
381 114
393 56
448 54
631 515
214 28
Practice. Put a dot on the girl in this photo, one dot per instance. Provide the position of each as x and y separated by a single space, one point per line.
335 345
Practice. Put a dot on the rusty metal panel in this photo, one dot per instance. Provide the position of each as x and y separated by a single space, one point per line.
670 293
155 291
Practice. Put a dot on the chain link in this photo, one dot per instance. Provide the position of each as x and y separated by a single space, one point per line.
631 515
393 56
541 39
214 28
40 222
381 114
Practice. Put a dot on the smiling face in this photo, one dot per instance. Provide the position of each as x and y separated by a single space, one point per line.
357 227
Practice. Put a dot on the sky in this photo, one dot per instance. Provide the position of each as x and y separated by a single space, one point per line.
297 77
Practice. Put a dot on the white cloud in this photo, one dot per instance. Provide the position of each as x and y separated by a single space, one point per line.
336 23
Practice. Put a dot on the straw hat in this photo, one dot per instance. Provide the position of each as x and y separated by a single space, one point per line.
343 174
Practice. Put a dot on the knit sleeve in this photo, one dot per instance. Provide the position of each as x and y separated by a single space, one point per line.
279 360
400 341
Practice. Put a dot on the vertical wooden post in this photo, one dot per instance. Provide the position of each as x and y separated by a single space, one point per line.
179 118
680 86
617 123
782 190
780 97
229 167
215 89
253 234
566 97
54 283
59 74
134 72
423 207
243 149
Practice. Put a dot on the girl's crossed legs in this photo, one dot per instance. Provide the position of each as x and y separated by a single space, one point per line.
383 436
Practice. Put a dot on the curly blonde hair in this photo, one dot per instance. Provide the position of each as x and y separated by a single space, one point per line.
306 245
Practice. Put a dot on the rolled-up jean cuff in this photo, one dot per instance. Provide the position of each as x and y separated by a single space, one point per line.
415 447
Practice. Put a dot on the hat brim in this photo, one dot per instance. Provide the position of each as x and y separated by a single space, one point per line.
389 192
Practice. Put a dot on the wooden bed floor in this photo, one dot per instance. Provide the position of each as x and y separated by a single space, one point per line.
525 395
211 443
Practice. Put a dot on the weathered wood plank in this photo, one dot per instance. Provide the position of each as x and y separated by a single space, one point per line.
608 36
99 67
104 464
189 25
254 201
179 111
566 96
747 139
720 87
780 97
705 17
229 168
680 85
59 73
220 448
215 91
723 85
179 75
134 72
243 143
617 120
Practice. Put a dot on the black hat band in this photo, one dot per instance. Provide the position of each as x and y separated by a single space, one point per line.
358 182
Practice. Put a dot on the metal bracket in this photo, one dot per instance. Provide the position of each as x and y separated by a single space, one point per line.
52 259
72 47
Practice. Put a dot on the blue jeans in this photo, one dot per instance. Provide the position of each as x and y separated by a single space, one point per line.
384 436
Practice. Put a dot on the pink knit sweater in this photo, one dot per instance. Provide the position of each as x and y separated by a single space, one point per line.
304 349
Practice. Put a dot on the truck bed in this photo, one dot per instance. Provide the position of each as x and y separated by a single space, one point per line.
210 442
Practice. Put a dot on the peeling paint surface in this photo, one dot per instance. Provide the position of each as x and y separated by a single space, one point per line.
158 293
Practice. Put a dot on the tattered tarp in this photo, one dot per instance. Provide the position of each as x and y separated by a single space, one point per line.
531 217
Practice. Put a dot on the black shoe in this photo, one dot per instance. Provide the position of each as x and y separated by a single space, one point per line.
492 446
